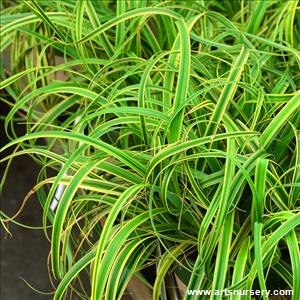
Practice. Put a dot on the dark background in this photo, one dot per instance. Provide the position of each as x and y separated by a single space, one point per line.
24 255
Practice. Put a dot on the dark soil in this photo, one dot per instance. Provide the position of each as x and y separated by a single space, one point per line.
24 255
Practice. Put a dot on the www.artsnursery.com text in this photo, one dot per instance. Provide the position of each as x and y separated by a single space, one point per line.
226 292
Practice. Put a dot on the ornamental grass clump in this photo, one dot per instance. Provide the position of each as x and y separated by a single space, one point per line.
173 131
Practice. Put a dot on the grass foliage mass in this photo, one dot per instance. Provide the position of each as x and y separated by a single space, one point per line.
174 128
